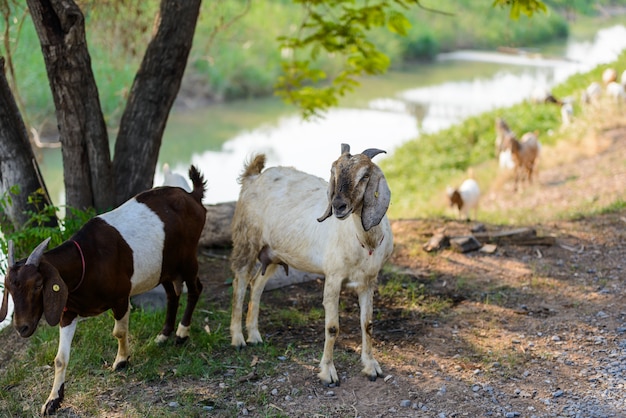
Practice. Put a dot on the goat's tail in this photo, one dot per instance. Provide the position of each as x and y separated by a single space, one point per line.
199 183
253 167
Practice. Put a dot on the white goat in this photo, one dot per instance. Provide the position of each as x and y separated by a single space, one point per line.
276 221
465 198
616 92
174 179
592 93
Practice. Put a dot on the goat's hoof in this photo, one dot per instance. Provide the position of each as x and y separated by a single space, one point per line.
332 383
181 340
121 365
53 405
372 378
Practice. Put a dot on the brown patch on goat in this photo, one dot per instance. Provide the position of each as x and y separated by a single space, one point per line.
455 199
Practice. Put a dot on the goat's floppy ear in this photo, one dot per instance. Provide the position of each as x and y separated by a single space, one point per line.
331 193
376 199
5 303
55 293
5 298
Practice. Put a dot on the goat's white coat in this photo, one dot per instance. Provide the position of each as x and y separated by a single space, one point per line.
616 92
505 159
567 113
592 93
144 232
342 250
470 195
299 239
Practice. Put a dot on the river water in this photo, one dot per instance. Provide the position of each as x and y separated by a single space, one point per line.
383 113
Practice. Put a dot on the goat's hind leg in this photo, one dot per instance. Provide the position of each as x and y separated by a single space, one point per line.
256 290
240 283
173 299
120 331
194 288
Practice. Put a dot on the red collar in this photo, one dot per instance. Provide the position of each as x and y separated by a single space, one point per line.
82 259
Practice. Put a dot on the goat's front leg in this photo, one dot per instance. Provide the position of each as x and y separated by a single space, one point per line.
332 289
120 331
66 335
371 368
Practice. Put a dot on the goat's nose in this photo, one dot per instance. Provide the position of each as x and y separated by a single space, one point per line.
23 330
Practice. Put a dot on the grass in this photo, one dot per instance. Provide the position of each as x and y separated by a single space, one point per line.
207 357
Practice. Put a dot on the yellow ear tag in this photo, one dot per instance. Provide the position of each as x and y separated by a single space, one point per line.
376 195
56 288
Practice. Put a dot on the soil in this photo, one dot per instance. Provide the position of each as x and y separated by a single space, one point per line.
525 331
522 331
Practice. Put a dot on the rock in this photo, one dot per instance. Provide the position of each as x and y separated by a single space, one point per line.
465 244
437 242
217 227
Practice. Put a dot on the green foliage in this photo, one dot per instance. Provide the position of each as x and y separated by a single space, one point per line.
528 7
34 231
322 47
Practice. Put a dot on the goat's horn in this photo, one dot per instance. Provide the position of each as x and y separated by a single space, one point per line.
10 256
372 152
345 148
35 256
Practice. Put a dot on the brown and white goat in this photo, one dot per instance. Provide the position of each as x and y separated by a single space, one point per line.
277 221
151 239
525 153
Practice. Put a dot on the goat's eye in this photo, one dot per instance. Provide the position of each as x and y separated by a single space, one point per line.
365 177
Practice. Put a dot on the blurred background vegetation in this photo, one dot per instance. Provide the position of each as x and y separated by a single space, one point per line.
236 53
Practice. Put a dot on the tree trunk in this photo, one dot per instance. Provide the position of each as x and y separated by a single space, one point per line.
87 168
151 97
17 162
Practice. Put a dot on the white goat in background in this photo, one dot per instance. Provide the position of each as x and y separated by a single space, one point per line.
277 221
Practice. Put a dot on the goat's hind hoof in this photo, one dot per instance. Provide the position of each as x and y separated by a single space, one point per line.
181 340
121 365
332 384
